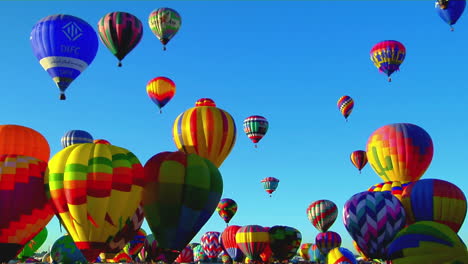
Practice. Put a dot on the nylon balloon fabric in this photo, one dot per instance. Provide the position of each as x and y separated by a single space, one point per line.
181 194
326 241
340 255
76 137
226 209
64 251
65 46
345 105
228 240
435 200
450 10
400 152
160 90
252 240
358 159
387 56
284 242
205 130
26 209
211 244
322 214
373 219
255 127
396 188
164 23
21 140
95 189
426 242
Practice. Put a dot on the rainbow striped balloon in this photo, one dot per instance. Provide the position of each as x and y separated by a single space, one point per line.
205 130
387 56
400 152
227 208
322 214
427 242
345 105
161 90
435 200
326 241
359 159
252 241
394 187
340 255
373 219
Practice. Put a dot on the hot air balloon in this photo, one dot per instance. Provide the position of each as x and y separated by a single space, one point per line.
345 105
33 245
284 242
65 46
26 210
64 250
122 257
185 256
304 251
198 254
101 141
182 193
426 242
160 90
98 186
326 241
387 56
359 251
322 214
228 240
394 187
255 127
227 208
315 254
252 240
359 159
450 10
270 184
340 255
400 152
120 32
205 130
21 140
135 245
211 245
373 219
165 23
266 254
435 200
75 137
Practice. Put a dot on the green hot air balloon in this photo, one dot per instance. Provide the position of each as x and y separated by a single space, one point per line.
32 246
181 194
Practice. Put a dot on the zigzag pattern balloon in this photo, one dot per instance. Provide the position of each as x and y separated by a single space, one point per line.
211 245
373 219
322 214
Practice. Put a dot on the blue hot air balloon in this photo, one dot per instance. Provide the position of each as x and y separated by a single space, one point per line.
450 10
76 136
65 46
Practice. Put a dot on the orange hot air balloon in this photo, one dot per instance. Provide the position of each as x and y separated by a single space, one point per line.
21 140
205 130
160 90
359 159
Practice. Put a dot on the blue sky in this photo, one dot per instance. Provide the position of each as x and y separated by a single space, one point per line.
289 61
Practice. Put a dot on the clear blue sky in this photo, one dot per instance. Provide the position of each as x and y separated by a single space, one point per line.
289 61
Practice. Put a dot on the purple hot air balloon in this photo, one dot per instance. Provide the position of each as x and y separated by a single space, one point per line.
373 219
327 241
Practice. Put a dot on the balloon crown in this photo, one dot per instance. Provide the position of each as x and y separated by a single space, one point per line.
101 141
205 102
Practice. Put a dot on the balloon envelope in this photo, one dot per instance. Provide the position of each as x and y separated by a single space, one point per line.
400 152
322 214
161 90
211 244
75 137
387 56
164 23
226 209
65 46
255 127
345 105
450 10
435 200
228 240
252 240
359 159
33 245
326 241
64 250
340 255
21 140
284 242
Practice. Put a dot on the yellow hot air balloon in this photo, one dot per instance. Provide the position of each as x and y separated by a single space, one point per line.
96 189
205 130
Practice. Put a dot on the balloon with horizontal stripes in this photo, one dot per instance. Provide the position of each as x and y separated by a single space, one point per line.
255 127
326 241
270 184
120 32
252 240
372 220
400 152
26 209
228 240
181 194
76 137
205 130
322 214
435 200
394 187
65 46
95 189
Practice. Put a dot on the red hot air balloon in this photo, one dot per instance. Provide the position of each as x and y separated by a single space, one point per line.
359 159
252 240
228 240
